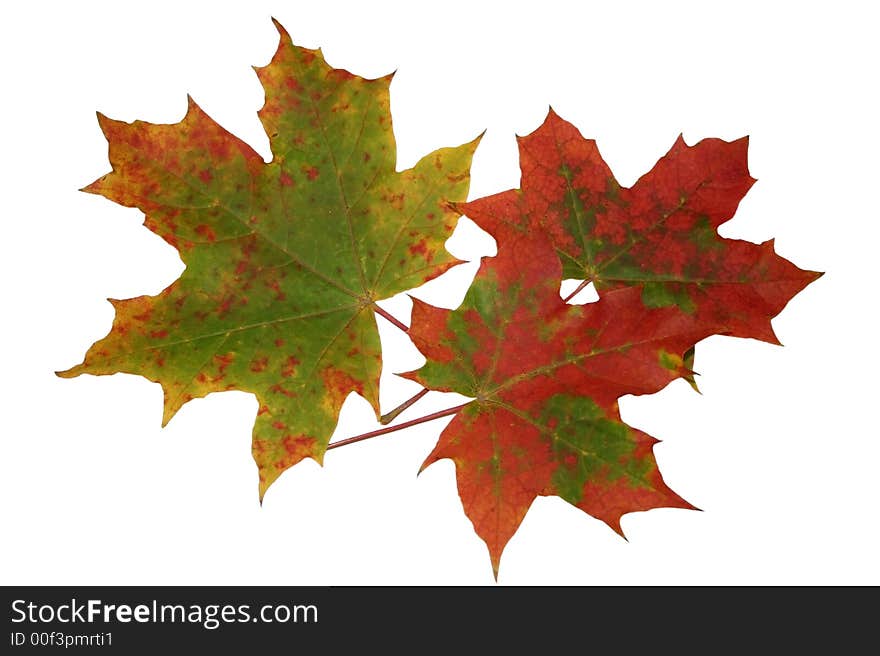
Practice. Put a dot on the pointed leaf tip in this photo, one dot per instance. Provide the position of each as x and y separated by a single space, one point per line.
552 119
192 108
73 372
167 416
476 140
282 31
744 140
107 124
92 188
430 460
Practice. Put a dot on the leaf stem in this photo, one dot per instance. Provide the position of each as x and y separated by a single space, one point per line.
388 417
385 315
391 429
577 291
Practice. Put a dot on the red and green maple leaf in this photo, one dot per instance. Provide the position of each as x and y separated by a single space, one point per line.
545 377
660 234
285 260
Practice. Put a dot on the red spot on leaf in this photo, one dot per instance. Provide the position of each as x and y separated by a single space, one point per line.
297 448
311 172
397 201
206 231
278 389
206 176
289 368
225 305
219 149
158 334
274 456
285 179
339 385
223 361
275 286
421 249
259 364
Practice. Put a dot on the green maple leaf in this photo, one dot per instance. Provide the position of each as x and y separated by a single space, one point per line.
285 260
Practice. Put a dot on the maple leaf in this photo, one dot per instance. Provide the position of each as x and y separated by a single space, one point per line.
285 260
546 377
660 234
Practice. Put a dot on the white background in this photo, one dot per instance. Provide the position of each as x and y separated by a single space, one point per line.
780 452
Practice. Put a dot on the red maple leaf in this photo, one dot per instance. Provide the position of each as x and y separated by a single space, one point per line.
660 234
546 377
